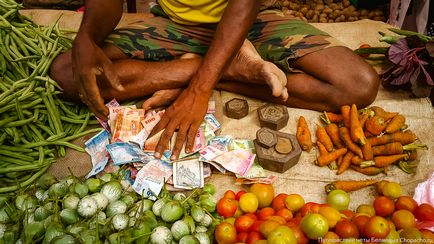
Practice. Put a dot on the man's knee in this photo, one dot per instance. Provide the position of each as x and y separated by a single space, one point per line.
361 89
61 72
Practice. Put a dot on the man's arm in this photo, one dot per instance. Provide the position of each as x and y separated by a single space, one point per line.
189 109
100 18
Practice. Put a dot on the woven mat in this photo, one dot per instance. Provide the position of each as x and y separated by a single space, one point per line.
303 178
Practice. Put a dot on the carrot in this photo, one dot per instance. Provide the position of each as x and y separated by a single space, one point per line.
326 159
346 162
356 131
323 137
375 125
368 134
329 117
396 148
395 124
384 161
356 160
321 148
404 138
345 111
368 154
333 132
344 132
362 119
339 160
382 113
303 135
349 185
368 170
412 155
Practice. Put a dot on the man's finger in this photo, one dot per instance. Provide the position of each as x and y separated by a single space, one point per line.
95 102
164 140
151 103
109 73
191 136
180 139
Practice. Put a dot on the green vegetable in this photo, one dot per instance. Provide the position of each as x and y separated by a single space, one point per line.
54 229
179 196
58 190
179 229
207 203
142 233
93 184
71 201
190 223
129 198
201 229
69 216
161 235
64 239
158 206
46 180
203 238
112 190
120 221
189 239
87 207
33 231
81 189
172 211
101 200
208 188
206 220
197 213
41 214
116 207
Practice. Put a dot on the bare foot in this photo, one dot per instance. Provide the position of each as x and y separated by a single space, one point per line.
250 67
161 98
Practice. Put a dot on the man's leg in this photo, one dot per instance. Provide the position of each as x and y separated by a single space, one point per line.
332 77
322 74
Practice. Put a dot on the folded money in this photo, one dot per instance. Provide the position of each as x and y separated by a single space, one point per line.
128 124
123 153
212 121
255 171
244 181
96 148
113 114
188 174
105 124
237 161
150 179
241 144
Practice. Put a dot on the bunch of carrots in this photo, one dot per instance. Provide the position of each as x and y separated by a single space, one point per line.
366 140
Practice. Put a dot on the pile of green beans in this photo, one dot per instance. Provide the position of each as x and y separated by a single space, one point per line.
35 124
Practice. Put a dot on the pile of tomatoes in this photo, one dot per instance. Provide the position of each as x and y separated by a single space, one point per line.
261 216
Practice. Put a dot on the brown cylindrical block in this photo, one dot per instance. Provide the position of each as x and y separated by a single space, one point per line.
237 108
273 116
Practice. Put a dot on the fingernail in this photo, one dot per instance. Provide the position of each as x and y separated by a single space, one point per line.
173 157
157 155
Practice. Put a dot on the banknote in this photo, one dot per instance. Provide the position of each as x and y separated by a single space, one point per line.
113 114
96 148
188 174
199 143
255 171
150 179
241 144
267 180
220 142
237 161
123 153
209 153
206 173
151 120
140 138
213 122
128 124
105 124
152 142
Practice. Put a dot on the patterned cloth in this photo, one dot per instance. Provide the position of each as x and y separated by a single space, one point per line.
278 38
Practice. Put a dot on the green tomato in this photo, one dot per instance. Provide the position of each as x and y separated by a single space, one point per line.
338 199
314 226
282 235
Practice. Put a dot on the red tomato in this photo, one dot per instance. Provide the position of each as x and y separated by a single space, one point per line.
294 221
229 194
309 207
242 237
299 235
405 202
376 227
383 206
227 207
239 193
266 213
346 229
252 215
225 233
348 213
279 201
256 225
424 212
253 237
360 221
243 223
285 213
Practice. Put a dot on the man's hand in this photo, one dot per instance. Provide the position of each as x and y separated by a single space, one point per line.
185 114
89 61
